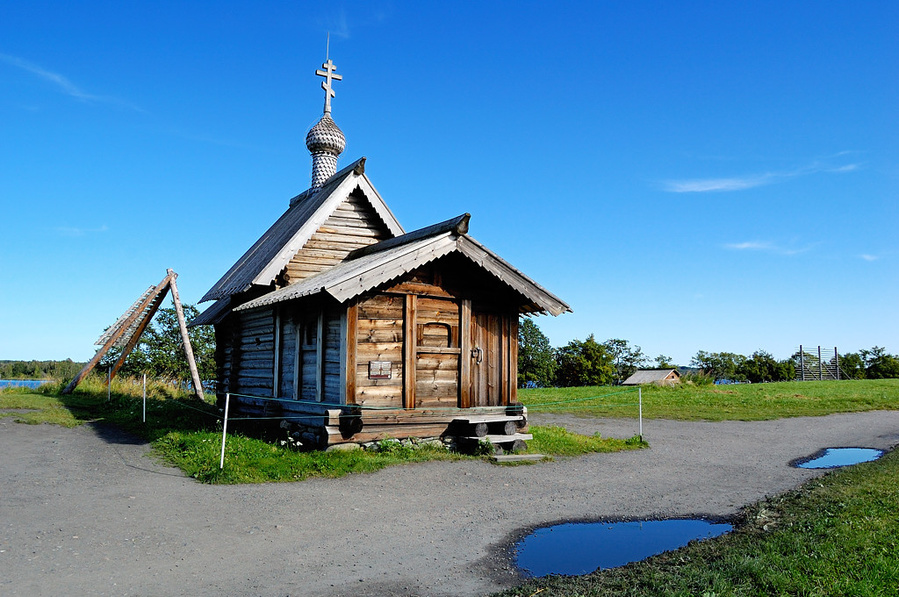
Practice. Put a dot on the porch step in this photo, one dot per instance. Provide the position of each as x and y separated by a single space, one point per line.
501 443
475 419
495 438
482 425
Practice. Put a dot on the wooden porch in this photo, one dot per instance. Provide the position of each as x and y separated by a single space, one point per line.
324 424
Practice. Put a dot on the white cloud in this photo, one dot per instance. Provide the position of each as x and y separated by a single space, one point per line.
60 81
63 84
867 257
72 231
749 246
739 183
715 184
767 247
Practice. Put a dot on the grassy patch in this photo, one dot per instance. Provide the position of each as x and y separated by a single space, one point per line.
558 441
743 402
250 460
838 535
27 406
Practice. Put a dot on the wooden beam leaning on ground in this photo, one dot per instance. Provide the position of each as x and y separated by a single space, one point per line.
138 312
142 313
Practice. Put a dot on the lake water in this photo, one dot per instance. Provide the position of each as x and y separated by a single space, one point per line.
21 383
581 548
837 457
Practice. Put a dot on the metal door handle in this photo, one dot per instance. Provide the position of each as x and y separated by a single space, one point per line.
478 354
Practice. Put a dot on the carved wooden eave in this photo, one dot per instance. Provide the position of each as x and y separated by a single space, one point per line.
262 263
389 260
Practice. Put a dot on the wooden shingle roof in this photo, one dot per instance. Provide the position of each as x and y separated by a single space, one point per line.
308 211
388 260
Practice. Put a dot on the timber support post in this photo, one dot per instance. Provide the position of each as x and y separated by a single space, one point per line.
185 338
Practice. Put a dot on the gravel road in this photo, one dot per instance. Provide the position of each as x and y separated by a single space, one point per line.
85 511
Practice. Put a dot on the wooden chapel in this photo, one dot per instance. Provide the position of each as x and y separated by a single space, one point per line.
352 329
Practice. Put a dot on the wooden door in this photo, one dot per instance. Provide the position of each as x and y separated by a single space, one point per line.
492 354
437 352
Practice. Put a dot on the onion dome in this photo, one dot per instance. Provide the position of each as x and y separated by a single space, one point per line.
325 142
325 136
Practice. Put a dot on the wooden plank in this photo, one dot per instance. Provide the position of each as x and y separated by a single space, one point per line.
420 288
513 359
352 232
390 431
366 392
185 338
436 350
465 354
276 355
338 241
319 357
392 351
500 439
382 308
503 342
487 418
352 329
387 335
411 302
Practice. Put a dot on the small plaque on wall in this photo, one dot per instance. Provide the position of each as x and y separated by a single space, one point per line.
379 369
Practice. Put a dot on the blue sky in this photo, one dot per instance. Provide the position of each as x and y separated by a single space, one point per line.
718 176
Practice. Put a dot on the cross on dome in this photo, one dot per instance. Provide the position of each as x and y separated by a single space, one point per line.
329 75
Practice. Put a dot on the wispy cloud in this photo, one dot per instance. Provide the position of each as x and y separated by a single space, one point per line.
867 257
739 183
63 84
73 232
766 247
716 184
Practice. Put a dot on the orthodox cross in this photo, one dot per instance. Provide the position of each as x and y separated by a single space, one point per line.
329 76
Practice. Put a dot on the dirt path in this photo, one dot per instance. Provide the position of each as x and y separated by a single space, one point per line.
85 512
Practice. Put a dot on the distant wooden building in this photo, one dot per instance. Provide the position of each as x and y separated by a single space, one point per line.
361 330
660 377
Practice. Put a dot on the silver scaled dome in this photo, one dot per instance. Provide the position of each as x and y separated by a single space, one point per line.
325 137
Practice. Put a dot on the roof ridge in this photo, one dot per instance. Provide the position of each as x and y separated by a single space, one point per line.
457 225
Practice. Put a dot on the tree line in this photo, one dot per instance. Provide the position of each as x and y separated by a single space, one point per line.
159 354
39 369
588 362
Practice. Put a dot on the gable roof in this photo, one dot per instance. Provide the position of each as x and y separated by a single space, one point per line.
308 211
383 262
642 376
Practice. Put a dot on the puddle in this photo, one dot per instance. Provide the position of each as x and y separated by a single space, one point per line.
581 548
837 457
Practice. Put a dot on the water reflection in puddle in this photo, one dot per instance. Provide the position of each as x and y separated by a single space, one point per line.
837 457
580 548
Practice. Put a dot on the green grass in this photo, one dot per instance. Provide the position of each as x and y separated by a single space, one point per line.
558 441
743 402
837 535
187 434
250 460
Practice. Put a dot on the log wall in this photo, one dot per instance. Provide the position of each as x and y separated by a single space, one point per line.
252 352
379 337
